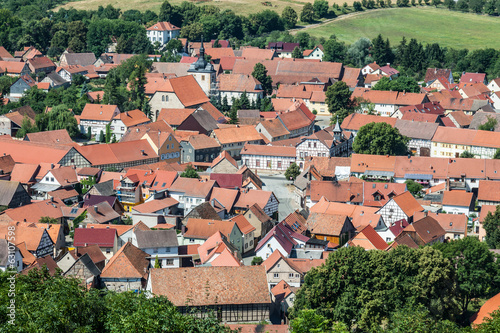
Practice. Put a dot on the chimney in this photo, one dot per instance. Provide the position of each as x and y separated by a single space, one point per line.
95 209
52 166
142 152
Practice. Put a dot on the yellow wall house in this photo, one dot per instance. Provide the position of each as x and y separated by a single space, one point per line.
165 145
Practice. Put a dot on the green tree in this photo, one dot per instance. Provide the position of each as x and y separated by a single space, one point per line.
418 319
490 324
334 51
157 262
363 287
297 53
491 225
108 133
476 269
89 133
86 184
138 83
60 117
413 187
320 8
257 261
496 156
307 14
338 97
308 321
244 102
292 171
190 172
260 74
489 125
359 52
27 126
48 220
467 154
380 139
290 17
102 137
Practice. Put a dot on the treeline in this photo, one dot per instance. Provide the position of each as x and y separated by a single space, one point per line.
430 289
60 304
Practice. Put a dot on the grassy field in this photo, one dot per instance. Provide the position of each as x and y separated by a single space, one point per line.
426 24
238 6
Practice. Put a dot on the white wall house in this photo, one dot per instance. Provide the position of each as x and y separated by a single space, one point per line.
97 116
162 32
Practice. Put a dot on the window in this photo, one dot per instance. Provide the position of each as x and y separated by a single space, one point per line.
122 128
191 240
51 179
301 155
168 146
155 250
269 164
170 262
290 275
388 239
257 163
203 77
315 145
246 246
167 249
279 164
108 250
246 161
308 145
297 275
276 275
47 179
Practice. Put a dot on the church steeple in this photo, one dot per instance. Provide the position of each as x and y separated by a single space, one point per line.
202 49
337 131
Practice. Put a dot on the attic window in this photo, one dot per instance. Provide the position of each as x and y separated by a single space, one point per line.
156 183
451 224
74 210
373 186
386 186
100 112
163 185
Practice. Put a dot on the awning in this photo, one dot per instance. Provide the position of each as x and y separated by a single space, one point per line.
378 173
422 176
45 187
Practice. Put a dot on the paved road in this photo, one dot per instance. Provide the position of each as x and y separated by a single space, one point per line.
283 191
322 122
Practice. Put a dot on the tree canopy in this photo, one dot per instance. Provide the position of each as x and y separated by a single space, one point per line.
338 99
380 139
190 172
491 225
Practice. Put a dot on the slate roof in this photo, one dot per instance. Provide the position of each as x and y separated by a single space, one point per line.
7 191
221 285
82 59
156 238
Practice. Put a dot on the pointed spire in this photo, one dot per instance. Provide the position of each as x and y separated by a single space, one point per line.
337 126
202 49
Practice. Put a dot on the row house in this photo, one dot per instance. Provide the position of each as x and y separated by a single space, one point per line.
452 142
273 158
233 139
420 134
386 102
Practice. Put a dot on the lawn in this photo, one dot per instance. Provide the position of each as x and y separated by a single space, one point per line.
426 24
244 7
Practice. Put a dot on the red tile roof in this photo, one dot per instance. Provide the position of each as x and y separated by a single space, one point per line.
98 112
260 150
491 305
408 203
132 118
129 262
188 90
355 121
163 26
119 152
457 198
368 239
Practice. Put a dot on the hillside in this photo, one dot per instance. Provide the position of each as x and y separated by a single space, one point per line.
426 24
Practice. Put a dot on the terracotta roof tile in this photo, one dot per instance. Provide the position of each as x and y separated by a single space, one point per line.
237 134
203 229
133 118
355 121
119 152
326 224
163 26
223 285
102 237
260 150
369 239
98 112
408 203
457 198
128 262
428 229
175 117
188 90
488 191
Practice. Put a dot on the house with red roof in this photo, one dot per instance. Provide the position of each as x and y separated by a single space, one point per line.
425 231
388 71
234 85
125 120
368 239
107 239
434 73
224 163
262 157
402 206
162 32
96 117
127 270
316 53
485 312
190 192
470 78
458 202
217 246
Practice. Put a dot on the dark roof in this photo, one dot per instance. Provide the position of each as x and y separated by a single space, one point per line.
93 251
156 238
87 262
7 163
91 200
4 252
428 229
82 59
227 180
105 188
203 211
205 119
56 79
7 191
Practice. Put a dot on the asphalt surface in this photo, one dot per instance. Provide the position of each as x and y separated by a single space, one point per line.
283 190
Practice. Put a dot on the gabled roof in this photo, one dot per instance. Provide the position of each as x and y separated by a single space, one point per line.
225 197
56 137
408 204
260 150
243 224
189 92
416 129
454 223
163 26
128 262
273 260
214 244
457 198
99 112
274 127
36 210
297 118
82 59
175 117
93 251
468 78
368 239
203 229
237 134
41 62
434 73
101 237
239 83
488 191
7 164
8 190
296 222
428 229
156 238
224 155
249 197
283 235
355 121
119 152
192 187
221 285
281 291
326 224
335 191
225 259
153 206
133 118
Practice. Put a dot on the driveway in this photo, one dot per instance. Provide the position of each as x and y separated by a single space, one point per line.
283 190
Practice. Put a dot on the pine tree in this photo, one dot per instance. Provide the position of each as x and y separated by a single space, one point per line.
102 138
157 262
138 83
89 133
108 133
244 102
225 105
